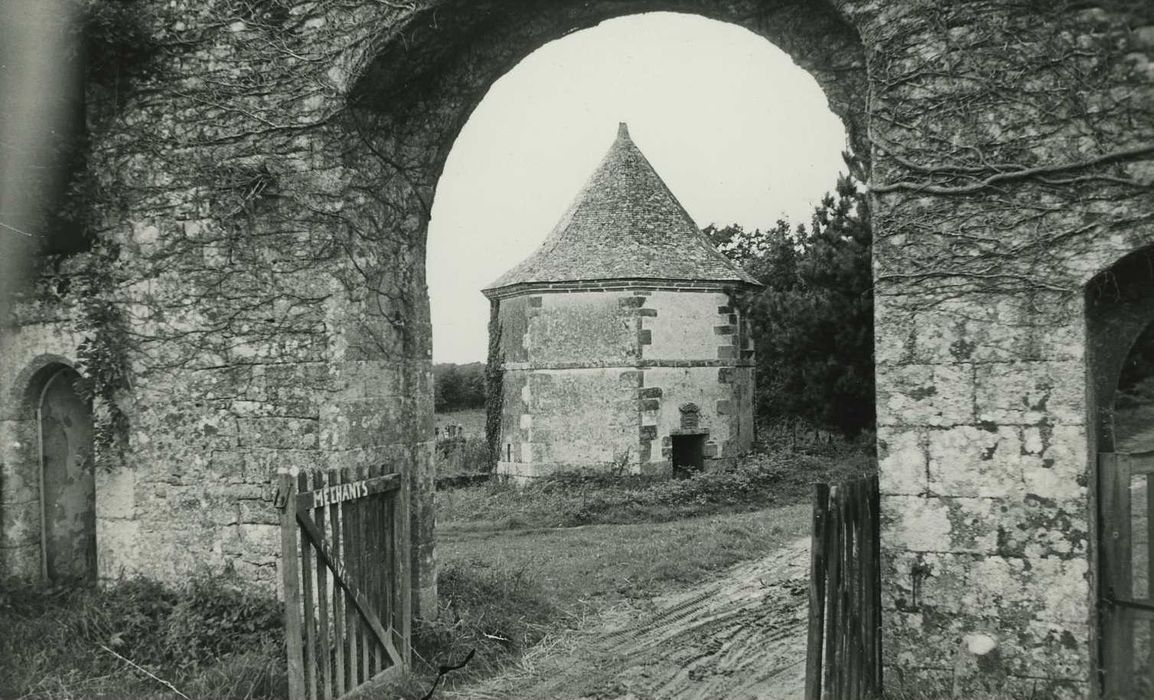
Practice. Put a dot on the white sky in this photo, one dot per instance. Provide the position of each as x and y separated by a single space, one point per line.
738 132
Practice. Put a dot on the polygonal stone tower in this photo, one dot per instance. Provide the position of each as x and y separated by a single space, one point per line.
620 342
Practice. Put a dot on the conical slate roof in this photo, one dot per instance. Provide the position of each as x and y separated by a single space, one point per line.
624 224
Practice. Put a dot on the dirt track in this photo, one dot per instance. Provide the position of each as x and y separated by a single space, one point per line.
741 635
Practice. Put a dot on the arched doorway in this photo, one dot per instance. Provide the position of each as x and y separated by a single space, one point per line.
1120 320
67 484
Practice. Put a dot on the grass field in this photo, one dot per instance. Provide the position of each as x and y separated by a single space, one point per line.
597 565
758 481
206 638
472 422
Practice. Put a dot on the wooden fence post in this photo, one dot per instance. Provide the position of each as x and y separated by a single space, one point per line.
874 607
817 573
291 580
843 651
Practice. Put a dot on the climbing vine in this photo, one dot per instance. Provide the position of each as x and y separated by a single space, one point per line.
968 208
104 353
117 39
494 387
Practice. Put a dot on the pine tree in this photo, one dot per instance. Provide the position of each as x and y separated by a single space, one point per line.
813 322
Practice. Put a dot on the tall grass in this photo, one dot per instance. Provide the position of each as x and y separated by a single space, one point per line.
489 614
208 639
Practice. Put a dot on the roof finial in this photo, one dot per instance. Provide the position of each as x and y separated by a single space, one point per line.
622 130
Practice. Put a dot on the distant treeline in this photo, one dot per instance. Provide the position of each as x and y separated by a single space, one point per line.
458 387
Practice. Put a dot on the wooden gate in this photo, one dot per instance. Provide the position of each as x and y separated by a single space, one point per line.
843 657
1126 510
345 550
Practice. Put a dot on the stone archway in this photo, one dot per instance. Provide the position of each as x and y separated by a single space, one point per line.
1120 305
417 88
272 180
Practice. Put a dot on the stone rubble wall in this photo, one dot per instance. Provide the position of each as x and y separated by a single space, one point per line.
984 437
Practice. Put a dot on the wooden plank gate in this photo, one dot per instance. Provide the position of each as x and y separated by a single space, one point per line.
345 555
1126 598
843 656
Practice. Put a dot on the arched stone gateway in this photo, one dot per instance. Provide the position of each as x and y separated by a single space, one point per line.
266 175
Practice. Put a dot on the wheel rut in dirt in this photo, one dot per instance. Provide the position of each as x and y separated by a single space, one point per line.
741 635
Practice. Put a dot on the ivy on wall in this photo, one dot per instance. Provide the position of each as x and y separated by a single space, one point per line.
494 387
117 39
103 355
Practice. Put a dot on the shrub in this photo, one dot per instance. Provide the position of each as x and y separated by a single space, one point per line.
212 621
476 455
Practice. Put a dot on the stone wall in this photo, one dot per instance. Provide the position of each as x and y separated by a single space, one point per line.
564 420
596 378
266 174
985 448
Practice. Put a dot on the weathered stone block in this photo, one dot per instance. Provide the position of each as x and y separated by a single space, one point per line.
975 461
19 523
978 329
934 395
257 512
903 461
632 378
932 524
288 433
993 461
1012 590
645 451
894 332
20 561
117 491
1028 393
1058 469
1035 527
120 548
